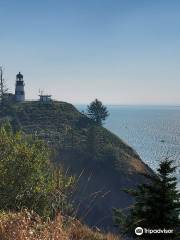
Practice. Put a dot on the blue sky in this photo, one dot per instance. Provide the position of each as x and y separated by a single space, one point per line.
120 51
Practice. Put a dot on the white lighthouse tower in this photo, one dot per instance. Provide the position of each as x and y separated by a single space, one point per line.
19 90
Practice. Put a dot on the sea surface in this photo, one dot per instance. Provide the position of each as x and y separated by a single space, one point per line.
153 131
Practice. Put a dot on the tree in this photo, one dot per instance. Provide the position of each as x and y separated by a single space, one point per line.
97 111
157 205
3 88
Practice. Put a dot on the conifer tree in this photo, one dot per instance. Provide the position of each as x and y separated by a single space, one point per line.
97 112
157 205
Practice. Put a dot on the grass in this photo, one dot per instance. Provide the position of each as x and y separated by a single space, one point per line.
29 226
79 144
65 129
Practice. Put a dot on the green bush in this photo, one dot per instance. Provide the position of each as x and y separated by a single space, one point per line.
27 178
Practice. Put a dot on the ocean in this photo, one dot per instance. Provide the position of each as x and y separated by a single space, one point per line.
153 131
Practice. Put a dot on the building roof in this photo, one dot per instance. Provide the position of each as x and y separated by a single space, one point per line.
42 95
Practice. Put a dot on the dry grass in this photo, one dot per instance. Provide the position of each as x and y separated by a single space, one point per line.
29 226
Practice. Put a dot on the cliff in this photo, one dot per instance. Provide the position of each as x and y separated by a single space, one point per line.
103 163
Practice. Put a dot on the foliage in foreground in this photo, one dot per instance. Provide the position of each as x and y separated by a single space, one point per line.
28 225
27 178
157 205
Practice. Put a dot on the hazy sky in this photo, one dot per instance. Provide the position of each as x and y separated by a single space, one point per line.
120 51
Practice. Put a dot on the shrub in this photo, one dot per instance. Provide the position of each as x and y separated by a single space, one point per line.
27 178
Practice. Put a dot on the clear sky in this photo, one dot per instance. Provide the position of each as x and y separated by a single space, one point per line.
119 51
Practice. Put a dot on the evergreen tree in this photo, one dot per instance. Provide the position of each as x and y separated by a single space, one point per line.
97 112
157 205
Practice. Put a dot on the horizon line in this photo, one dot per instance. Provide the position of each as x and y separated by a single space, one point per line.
117 104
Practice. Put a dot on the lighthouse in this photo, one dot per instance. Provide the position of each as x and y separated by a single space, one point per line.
19 89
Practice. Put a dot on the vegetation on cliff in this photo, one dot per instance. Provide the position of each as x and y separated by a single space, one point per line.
27 177
103 161
30 181
62 126
30 184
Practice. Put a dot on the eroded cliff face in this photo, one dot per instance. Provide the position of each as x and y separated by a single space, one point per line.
103 163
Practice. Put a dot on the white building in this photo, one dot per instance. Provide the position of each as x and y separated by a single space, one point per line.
45 98
19 88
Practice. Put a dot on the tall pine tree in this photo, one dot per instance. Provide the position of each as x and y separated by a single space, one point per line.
97 111
157 205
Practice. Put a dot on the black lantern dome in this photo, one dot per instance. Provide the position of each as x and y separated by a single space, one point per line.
19 76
